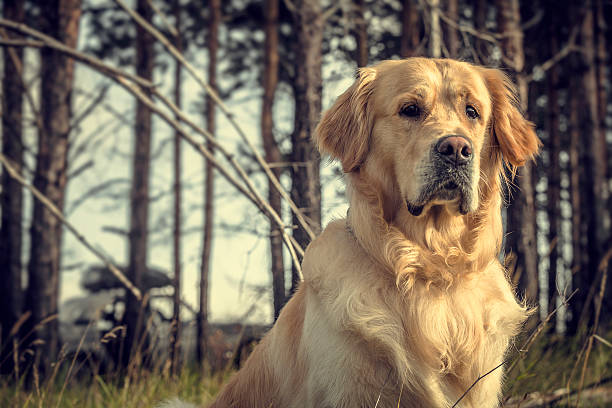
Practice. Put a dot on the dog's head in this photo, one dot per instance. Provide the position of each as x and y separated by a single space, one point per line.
430 130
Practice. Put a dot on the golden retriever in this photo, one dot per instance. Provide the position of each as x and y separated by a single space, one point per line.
404 303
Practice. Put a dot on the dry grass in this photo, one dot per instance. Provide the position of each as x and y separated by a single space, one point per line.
144 390
546 368
553 363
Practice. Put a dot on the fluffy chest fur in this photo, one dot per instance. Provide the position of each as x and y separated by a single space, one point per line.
428 343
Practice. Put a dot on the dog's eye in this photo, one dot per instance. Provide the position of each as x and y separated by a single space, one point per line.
471 112
411 111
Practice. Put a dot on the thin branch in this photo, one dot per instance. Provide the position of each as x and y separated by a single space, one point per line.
480 377
58 214
164 19
331 10
555 59
79 56
486 36
123 79
603 268
250 191
97 100
229 115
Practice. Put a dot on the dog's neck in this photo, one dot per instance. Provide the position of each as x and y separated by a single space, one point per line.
434 247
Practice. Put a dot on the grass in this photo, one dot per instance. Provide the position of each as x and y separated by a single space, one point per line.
549 365
145 389
553 363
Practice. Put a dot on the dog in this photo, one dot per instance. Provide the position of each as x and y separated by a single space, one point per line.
404 303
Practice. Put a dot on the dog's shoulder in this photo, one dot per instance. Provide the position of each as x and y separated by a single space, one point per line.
335 254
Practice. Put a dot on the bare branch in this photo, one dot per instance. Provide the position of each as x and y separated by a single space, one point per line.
555 59
173 30
97 100
58 214
79 56
123 79
229 115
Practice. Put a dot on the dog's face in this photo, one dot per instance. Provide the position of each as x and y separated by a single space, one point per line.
431 128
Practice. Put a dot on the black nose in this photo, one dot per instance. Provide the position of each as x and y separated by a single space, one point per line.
456 150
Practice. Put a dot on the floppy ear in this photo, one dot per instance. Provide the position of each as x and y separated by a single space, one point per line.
514 134
344 131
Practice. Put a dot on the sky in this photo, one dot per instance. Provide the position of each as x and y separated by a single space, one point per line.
240 283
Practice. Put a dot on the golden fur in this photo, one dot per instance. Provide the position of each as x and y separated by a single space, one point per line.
408 310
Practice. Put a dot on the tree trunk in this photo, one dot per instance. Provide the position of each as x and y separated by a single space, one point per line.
136 338
451 35
410 39
306 184
272 152
435 35
213 45
480 23
60 19
521 213
579 275
175 350
361 34
602 104
594 211
554 171
11 199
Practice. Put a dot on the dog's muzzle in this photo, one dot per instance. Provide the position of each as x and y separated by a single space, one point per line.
449 175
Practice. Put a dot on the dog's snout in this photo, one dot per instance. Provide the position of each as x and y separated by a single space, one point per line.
455 149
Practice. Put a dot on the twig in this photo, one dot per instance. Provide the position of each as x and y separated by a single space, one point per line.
58 214
548 64
531 339
480 377
603 268
383 387
173 30
229 115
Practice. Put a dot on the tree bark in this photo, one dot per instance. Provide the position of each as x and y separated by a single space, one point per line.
435 35
480 23
272 152
601 54
579 275
521 213
135 312
410 39
213 45
175 350
11 199
451 35
554 171
594 192
306 184
361 34
60 19
602 104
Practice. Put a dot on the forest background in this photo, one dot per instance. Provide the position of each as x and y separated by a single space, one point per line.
159 185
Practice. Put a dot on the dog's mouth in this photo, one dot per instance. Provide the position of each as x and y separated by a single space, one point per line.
452 189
